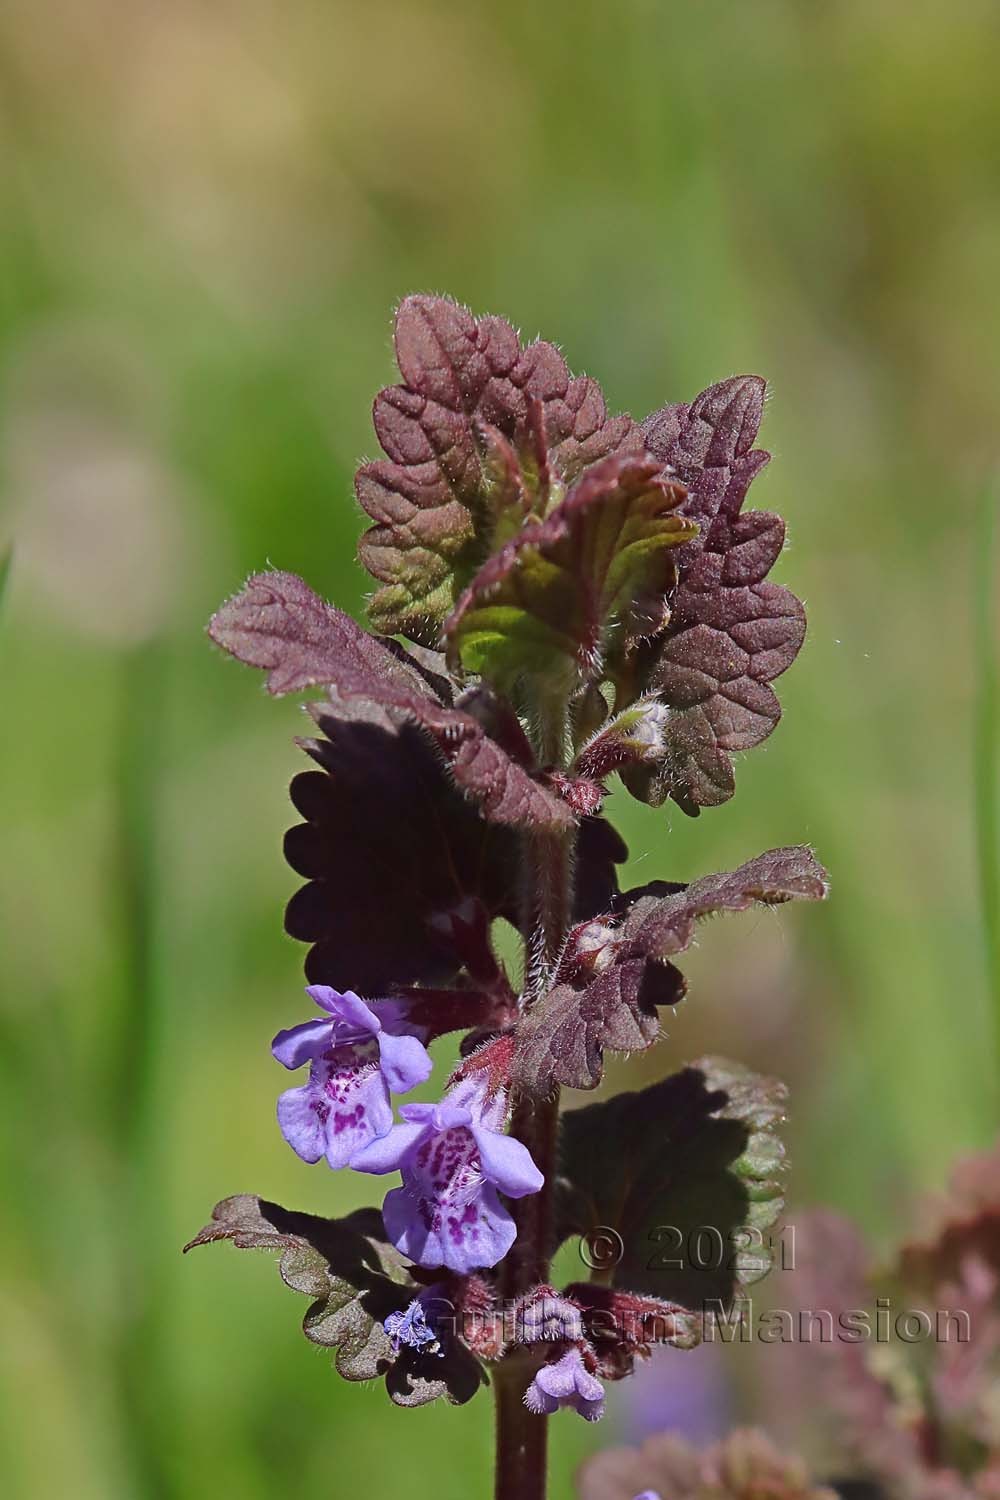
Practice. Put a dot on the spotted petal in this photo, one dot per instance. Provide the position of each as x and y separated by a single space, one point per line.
463 1236
343 1107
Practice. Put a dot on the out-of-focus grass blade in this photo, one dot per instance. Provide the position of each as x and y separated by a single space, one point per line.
987 739
6 562
137 786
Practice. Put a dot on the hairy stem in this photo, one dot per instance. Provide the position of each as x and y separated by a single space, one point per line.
520 1434
549 891
521 1438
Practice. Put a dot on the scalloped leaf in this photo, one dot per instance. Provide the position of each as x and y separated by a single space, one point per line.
278 623
616 971
730 632
660 918
709 445
356 1279
563 1038
687 1172
382 816
550 603
470 388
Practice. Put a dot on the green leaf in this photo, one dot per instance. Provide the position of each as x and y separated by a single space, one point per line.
687 1173
570 592
356 1279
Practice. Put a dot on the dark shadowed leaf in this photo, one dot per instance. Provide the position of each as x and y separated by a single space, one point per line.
730 632
356 1279
599 849
687 1172
460 433
389 846
551 601
616 969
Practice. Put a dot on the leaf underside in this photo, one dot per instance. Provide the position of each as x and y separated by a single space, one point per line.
356 1279
562 1039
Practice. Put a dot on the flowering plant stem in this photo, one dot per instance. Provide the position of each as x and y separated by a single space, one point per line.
584 597
521 1436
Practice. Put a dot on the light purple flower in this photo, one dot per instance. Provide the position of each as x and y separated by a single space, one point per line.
356 1059
454 1157
566 1382
544 1316
412 1328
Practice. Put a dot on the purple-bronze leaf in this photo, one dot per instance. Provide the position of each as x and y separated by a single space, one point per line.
278 623
482 771
709 445
616 969
470 388
562 1040
730 632
661 922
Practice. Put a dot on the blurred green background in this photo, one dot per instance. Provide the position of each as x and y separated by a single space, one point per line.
208 212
